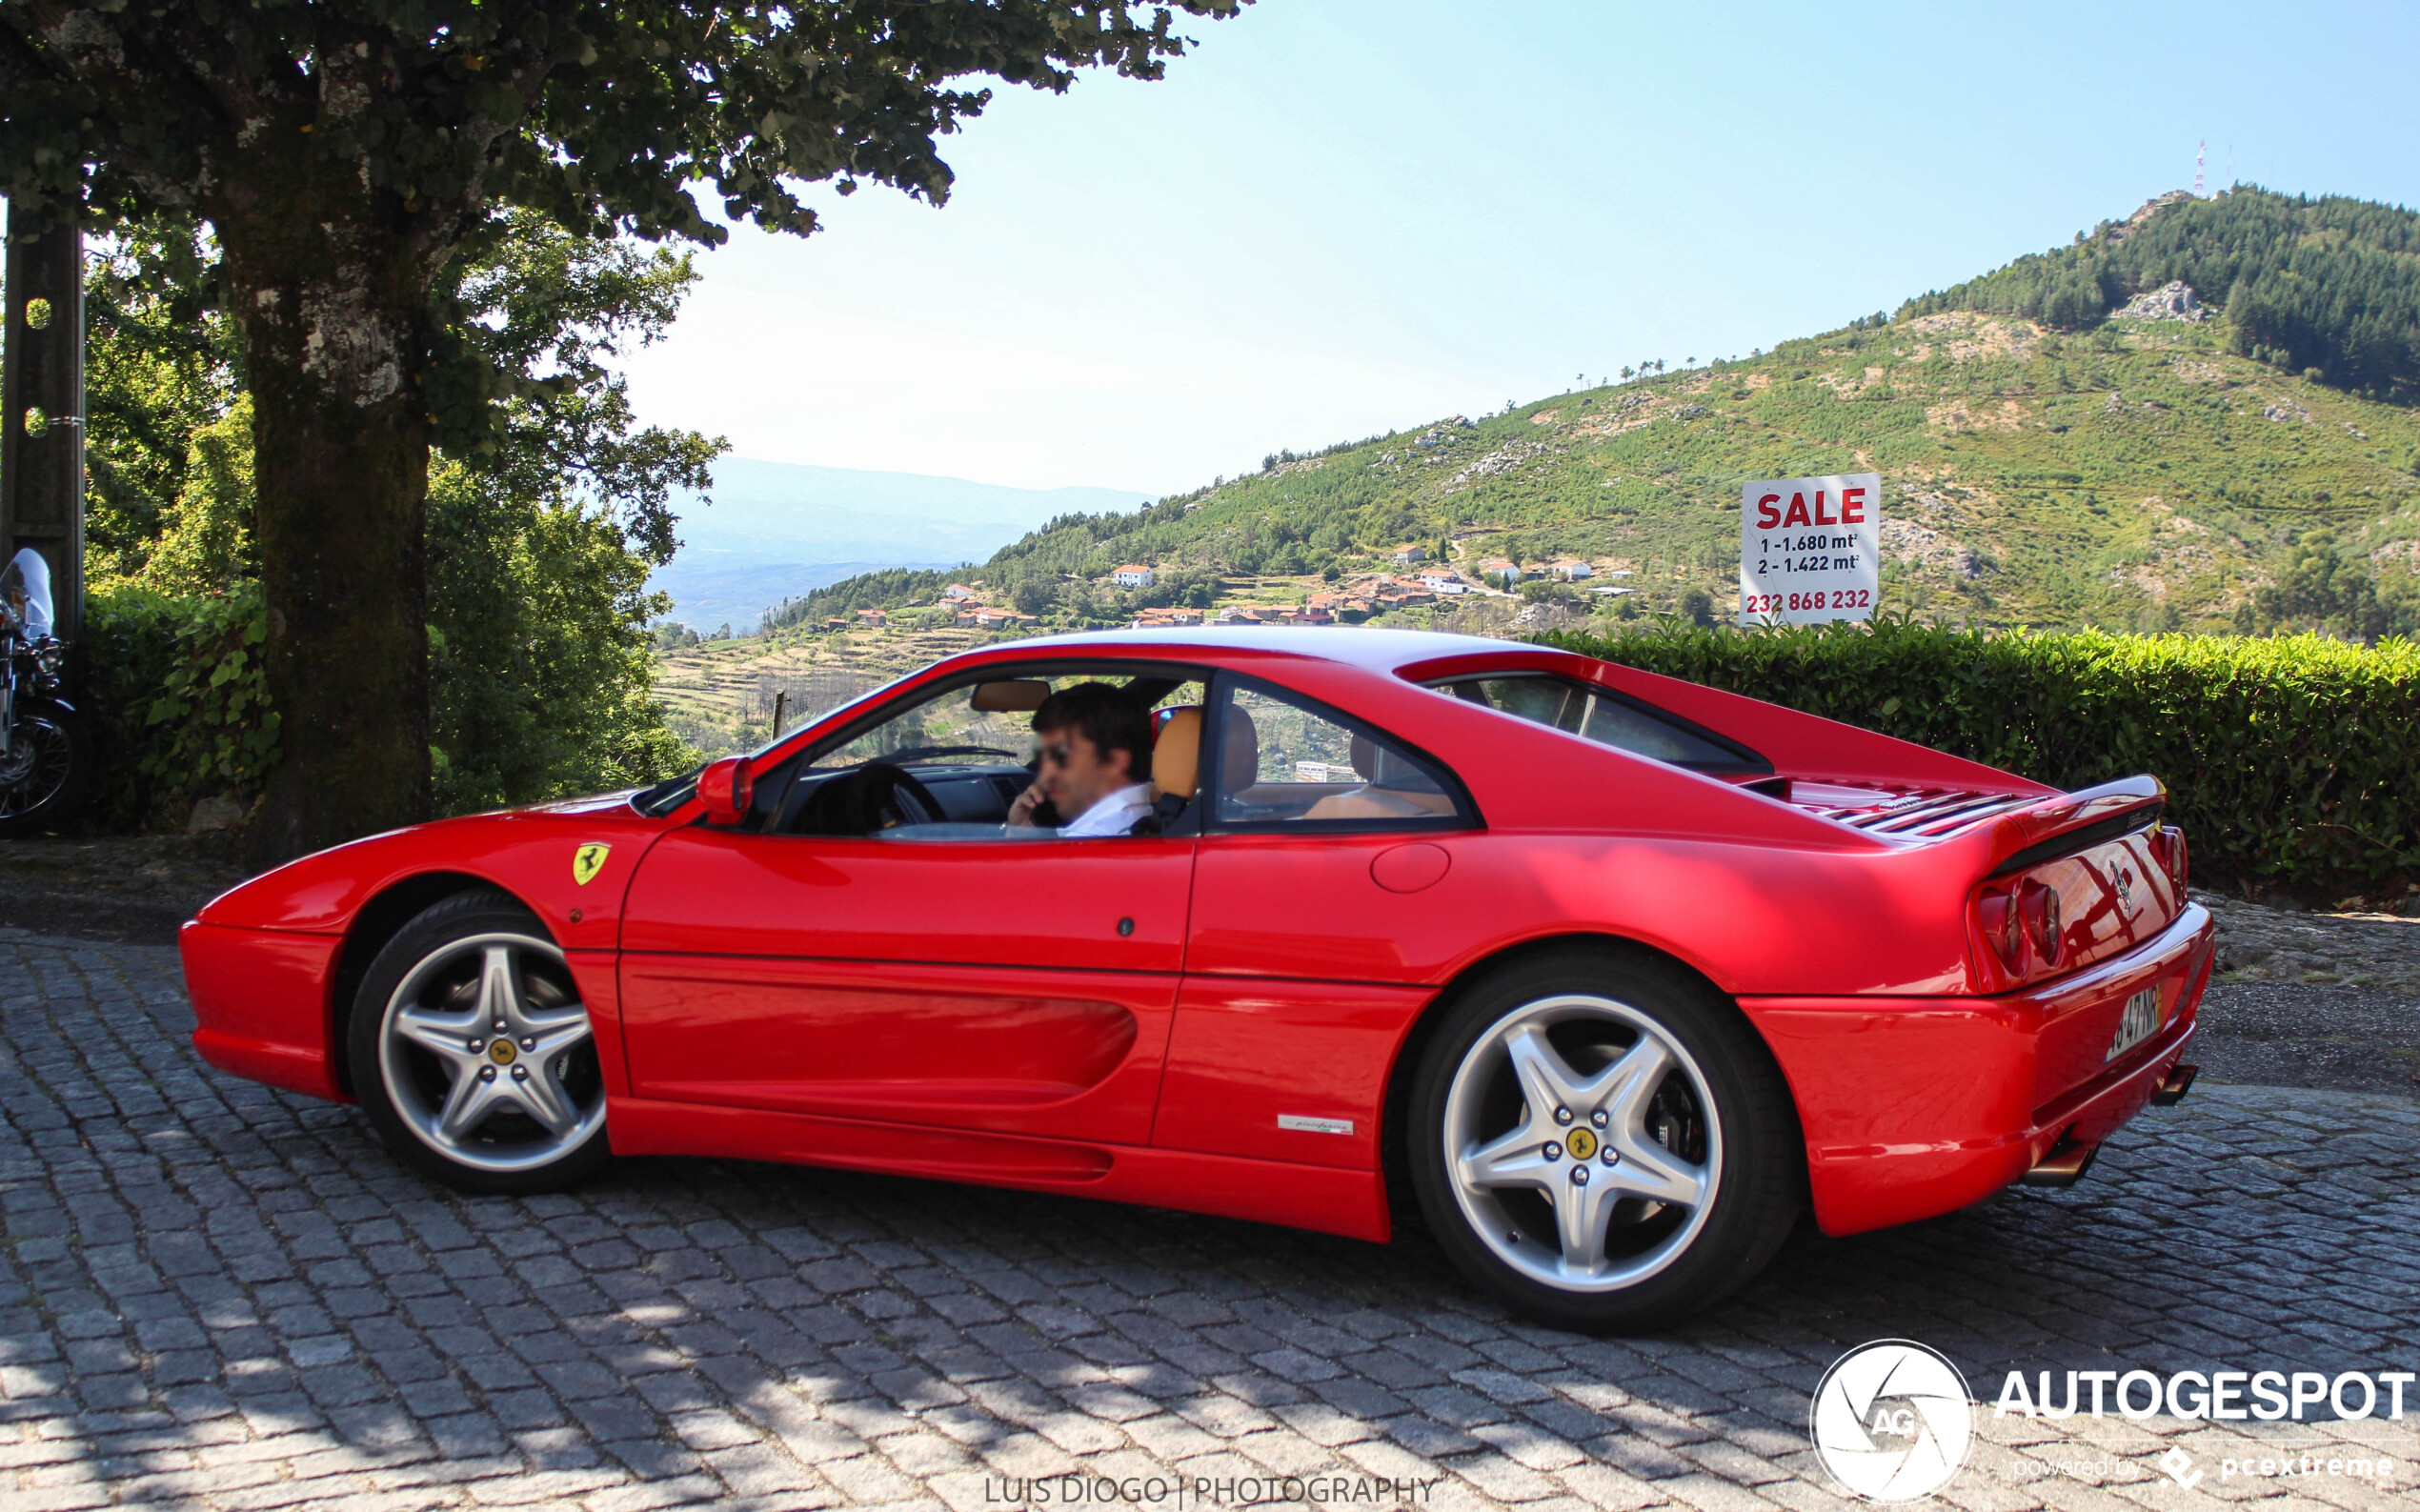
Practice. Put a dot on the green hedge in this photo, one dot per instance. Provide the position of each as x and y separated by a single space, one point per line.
2290 761
174 697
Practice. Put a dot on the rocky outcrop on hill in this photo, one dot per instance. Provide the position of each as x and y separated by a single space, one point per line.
2174 300
1905 541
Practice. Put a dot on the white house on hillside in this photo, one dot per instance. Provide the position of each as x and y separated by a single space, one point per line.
1134 574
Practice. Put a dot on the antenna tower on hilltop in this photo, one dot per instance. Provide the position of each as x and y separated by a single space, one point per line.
2201 152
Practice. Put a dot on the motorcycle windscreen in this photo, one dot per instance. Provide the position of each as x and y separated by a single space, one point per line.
24 586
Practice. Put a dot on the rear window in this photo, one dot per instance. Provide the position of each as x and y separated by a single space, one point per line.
1608 718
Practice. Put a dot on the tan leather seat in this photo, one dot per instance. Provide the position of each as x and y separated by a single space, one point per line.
1239 764
1175 754
1384 792
1381 803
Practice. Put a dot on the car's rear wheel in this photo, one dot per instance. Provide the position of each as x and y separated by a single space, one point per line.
471 1052
1601 1142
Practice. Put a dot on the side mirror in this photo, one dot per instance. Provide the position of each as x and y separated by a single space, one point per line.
726 787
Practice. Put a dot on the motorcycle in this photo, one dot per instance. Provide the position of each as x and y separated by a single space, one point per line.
45 755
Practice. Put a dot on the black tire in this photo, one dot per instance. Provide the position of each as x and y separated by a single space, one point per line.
1501 1218
58 762
436 970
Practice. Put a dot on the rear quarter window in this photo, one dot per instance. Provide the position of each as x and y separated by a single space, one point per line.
1608 718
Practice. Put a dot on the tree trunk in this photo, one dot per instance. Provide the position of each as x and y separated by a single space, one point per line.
335 325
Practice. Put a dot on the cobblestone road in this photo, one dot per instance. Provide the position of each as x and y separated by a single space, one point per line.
214 1295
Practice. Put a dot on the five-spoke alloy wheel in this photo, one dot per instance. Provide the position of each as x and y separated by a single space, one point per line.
471 1052
1603 1142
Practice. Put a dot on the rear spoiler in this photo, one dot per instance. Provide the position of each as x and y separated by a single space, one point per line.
2072 822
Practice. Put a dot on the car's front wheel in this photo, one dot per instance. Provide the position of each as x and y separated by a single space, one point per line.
471 1053
1603 1142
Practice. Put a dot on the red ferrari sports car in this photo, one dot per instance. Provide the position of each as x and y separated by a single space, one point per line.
1607 975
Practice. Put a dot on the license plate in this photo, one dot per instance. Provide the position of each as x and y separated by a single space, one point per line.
2139 1022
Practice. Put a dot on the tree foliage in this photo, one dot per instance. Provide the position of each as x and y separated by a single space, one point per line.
2319 586
595 116
348 155
2326 283
541 538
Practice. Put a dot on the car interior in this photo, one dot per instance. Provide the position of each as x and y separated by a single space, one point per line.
949 766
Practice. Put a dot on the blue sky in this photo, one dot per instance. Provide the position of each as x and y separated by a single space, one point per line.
1343 216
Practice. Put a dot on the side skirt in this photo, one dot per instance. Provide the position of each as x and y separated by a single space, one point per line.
1322 1198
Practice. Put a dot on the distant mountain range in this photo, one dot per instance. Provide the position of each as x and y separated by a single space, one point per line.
777 530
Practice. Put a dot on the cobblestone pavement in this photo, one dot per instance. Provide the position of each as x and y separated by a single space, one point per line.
214 1295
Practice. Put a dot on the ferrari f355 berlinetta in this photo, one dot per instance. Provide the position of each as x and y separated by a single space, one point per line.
1605 976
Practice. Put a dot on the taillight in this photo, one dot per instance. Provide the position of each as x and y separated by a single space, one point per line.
2002 929
2167 845
2039 907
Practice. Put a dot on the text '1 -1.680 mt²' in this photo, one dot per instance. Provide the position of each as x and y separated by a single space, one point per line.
1809 549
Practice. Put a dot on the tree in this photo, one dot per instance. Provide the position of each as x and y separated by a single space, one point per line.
540 543
344 154
2319 586
1034 595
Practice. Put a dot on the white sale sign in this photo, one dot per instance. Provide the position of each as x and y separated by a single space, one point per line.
1809 549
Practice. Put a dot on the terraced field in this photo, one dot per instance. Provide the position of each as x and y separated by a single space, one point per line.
722 693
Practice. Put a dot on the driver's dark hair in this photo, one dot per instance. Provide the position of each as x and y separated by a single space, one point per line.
1104 716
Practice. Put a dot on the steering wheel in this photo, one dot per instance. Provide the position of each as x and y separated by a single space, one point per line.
897 798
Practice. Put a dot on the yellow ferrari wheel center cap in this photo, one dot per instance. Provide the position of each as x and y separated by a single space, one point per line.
501 1052
1583 1143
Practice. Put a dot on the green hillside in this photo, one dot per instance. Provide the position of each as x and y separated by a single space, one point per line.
2051 455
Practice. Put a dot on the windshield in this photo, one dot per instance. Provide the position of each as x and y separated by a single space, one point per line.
986 722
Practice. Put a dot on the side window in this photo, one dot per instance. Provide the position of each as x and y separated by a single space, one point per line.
953 764
1285 761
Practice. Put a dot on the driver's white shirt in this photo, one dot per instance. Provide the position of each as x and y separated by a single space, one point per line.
1117 814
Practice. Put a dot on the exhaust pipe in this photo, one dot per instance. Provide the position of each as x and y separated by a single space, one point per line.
2063 1166
2172 1092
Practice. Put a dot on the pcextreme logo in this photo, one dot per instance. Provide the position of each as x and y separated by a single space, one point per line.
1891 1420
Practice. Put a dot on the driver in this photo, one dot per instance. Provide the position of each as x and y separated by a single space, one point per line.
1096 762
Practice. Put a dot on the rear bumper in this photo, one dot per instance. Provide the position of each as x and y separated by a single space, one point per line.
1918 1106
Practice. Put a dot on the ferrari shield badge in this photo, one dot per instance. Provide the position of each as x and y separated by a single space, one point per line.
589 860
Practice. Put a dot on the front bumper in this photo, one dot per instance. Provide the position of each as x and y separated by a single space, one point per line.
1918 1106
261 1004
